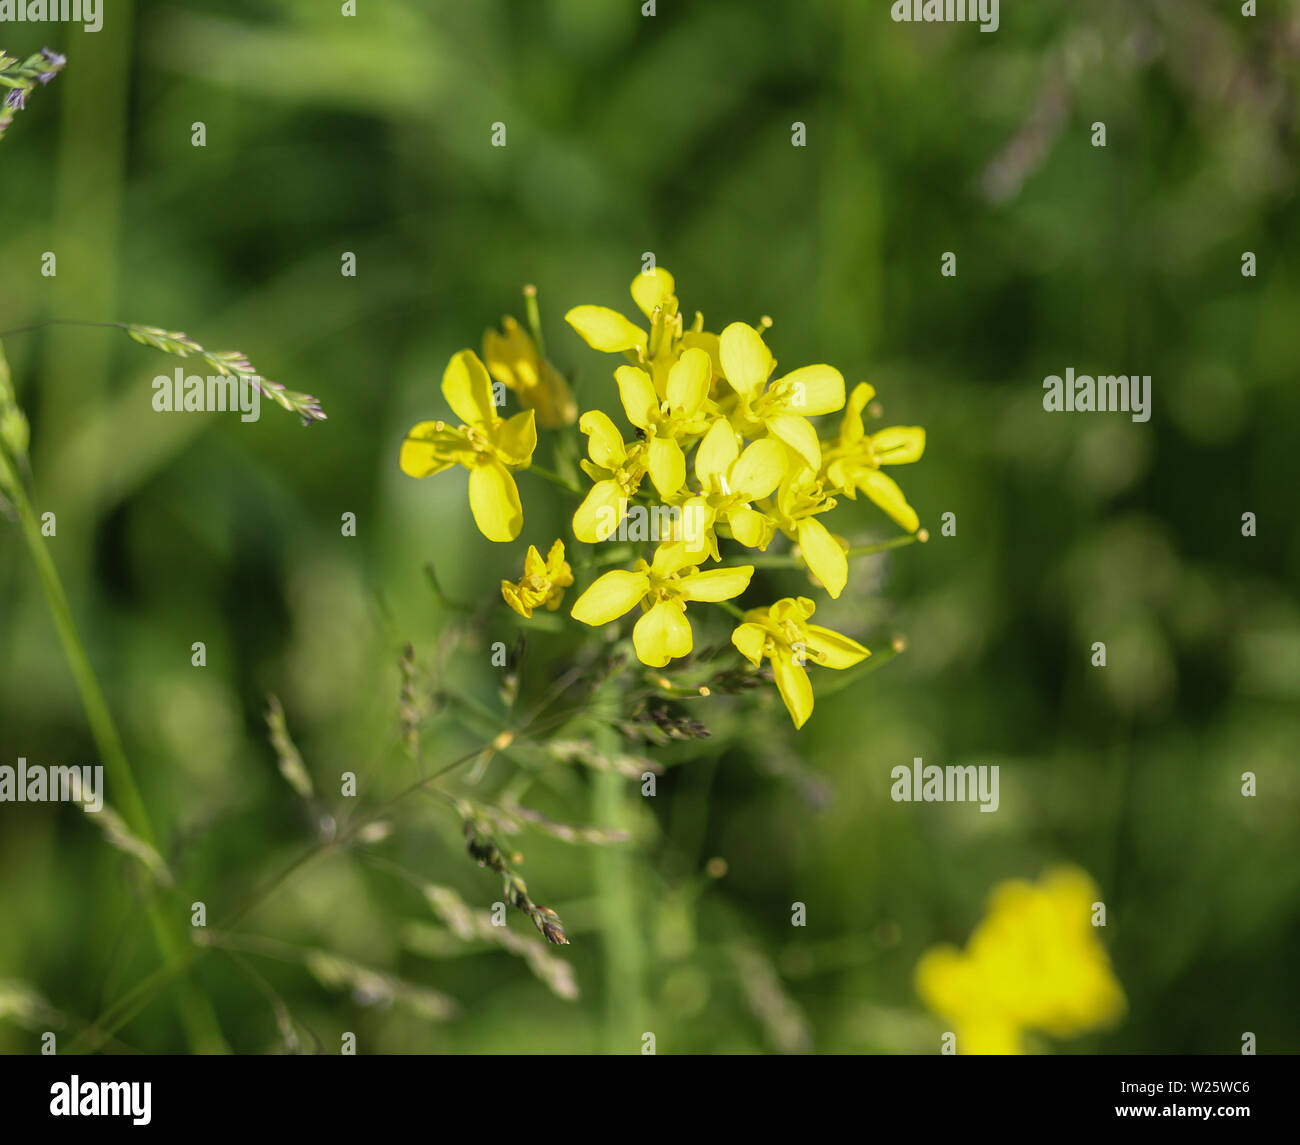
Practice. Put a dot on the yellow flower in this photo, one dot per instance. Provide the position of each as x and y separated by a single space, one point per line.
513 359
657 348
617 470
782 634
662 589
852 462
543 583
486 445
665 423
783 407
798 501
729 481
1033 963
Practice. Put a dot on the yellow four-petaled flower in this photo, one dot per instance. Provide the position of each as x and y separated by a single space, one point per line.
489 446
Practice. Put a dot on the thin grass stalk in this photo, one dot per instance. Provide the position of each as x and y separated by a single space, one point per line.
196 1012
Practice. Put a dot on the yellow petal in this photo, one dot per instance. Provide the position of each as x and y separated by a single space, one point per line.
749 640
468 389
898 444
697 528
516 438
511 596
667 465
425 450
884 491
823 555
649 290
746 360
851 429
600 512
750 527
494 501
553 399
796 690
604 442
670 558
813 390
759 470
688 382
832 650
637 392
498 359
715 454
610 597
511 359
662 634
799 435
716 584
533 563
555 562
709 343
944 980
989 1035
605 329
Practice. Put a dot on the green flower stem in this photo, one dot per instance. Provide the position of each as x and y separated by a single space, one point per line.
197 1015
554 478
789 560
534 317
613 804
731 608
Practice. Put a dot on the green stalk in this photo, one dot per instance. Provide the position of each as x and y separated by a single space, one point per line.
789 560
196 1013
623 947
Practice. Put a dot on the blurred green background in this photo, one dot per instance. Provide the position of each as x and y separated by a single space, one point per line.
672 135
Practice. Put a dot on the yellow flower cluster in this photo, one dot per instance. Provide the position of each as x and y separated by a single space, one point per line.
722 445
1033 963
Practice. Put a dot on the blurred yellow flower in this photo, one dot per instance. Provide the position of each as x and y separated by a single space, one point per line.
852 461
543 583
782 634
1034 963
662 588
514 360
488 446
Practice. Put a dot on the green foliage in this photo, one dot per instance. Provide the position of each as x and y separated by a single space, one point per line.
670 135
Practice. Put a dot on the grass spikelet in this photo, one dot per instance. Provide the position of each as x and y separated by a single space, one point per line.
229 364
511 819
291 765
119 835
373 987
584 752
486 853
23 1003
465 924
20 80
